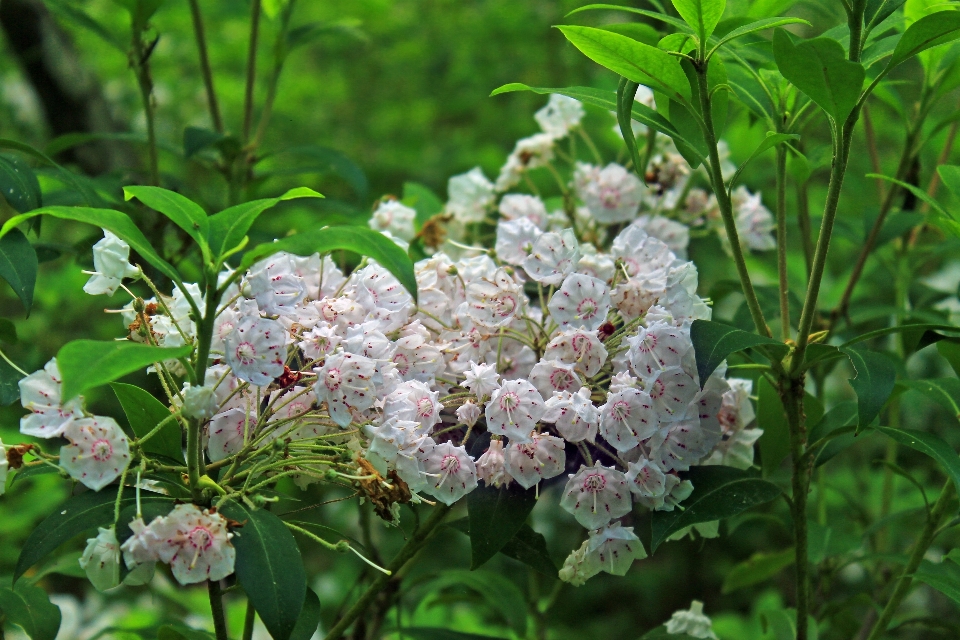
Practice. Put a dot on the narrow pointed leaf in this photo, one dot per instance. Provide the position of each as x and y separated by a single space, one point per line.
29 607
929 31
656 15
85 364
759 25
309 618
269 568
182 211
701 15
634 60
758 568
930 444
626 94
360 240
18 266
9 389
943 576
718 492
943 391
18 184
496 515
714 341
144 412
772 140
874 381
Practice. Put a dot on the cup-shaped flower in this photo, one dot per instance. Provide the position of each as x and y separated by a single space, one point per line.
490 465
101 560
111 263
514 410
581 301
615 548
98 451
579 347
550 376
481 379
256 349
627 418
196 544
40 393
452 472
573 414
553 257
493 302
596 495
345 382
541 459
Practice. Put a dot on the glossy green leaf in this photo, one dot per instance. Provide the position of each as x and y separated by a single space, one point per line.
714 341
269 568
841 416
950 174
930 444
701 15
943 391
309 618
85 364
819 67
68 177
718 493
496 515
929 31
626 94
942 576
114 221
229 227
9 389
656 15
178 631
634 60
875 378
951 353
66 565
182 211
144 412
759 25
18 265
500 593
771 417
360 240
325 160
760 567
639 31
29 607
18 184
772 140
526 546
876 11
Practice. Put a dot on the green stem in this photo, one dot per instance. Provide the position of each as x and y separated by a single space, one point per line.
248 621
782 242
916 555
413 545
280 58
251 69
141 68
201 38
791 391
216 608
726 209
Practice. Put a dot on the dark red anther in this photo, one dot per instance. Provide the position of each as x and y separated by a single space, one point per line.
606 330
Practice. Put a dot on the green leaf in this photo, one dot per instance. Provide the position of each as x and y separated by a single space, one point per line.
361 240
718 493
66 10
67 565
230 226
29 607
144 412
269 568
840 416
819 67
943 576
439 633
943 391
8 332
330 161
82 187
714 341
930 444
18 184
177 631
114 221
182 211
196 139
526 546
503 596
950 174
423 200
9 389
876 11
634 60
701 15
496 515
656 15
759 568
771 417
929 31
661 633
772 140
309 618
626 94
951 353
754 27
18 266
639 31
85 364
783 624
873 383
607 100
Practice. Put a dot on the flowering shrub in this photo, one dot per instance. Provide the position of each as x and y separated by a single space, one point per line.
467 355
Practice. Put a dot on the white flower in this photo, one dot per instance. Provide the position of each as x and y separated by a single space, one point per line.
581 301
417 355
414 401
493 302
346 382
755 224
646 479
579 566
627 418
98 451
199 402
514 410
468 413
256 350
692 622
573 414
596 495
452 472
490 465
529 153
381 294
515 239
395 217
228 432
559 116
141 548
672 391
540 459
101 560
195 543
111 261
275 284
40 393
389 439
657 346
579 347
320 341
549 376
634 297
514 206
672 233
612 194
679 445
554 256
615 548
642 254
481 379
470 196
593 263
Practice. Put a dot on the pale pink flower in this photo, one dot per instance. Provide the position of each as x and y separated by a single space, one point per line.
345 382
195 543
494 302
40 393
612 193
276 285
514 410
559 116
515 239
394 217
615 548
256 350
579 347
491 465
414 401
98 451
627 418
228 432
549 376
481 379
470 196
596 495
468 413
514 206
581 301
540 459
657 346
672 391
452 473
553 257
111 263
692 622
646 479
573 414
